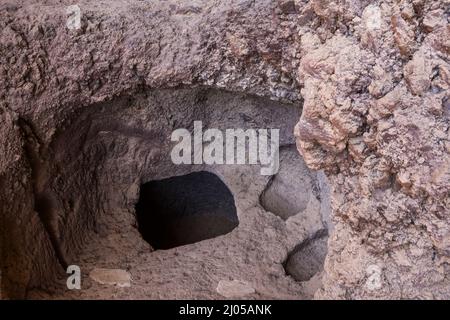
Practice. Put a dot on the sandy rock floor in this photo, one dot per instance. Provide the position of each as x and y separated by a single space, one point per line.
252 254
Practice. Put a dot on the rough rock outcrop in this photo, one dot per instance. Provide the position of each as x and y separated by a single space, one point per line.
376 118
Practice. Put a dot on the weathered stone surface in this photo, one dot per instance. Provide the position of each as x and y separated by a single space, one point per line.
234 288
375 119
373 80
307 259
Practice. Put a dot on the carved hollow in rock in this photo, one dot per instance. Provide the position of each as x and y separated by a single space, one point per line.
307 259
185 209
288 192
112 183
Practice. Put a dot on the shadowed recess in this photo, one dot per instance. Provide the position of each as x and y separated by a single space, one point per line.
185 209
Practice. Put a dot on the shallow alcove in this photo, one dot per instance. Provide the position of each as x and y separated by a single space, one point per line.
307 259
185 209
289 191
123 191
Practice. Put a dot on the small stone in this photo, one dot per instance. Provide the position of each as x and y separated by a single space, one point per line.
408 11
417 74
403 35
433 20
234 288
372 17
404 179
239 45
118 277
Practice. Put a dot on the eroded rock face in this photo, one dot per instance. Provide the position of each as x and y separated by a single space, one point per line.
376 119
373 78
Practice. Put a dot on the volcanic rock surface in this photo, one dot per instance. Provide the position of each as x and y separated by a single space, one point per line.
86 116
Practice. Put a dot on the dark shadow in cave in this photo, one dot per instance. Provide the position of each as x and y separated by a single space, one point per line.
185 209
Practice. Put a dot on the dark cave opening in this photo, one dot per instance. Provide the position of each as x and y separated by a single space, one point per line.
185 209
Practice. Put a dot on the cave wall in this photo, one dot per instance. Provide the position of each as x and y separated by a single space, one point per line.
376 118
373 77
